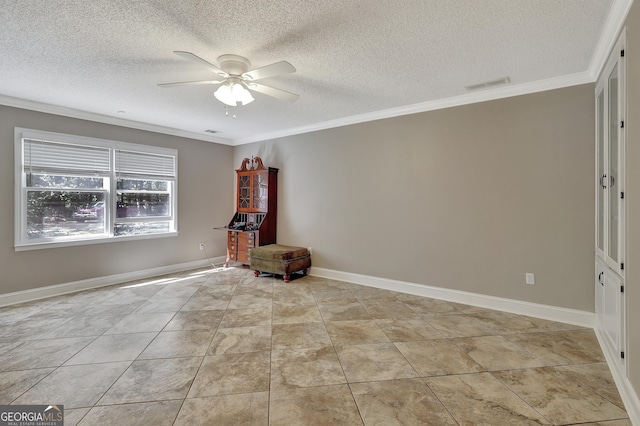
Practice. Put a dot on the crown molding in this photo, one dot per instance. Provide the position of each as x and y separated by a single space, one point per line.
99 118
470 98
612 27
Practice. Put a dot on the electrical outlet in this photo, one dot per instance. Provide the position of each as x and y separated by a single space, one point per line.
310 251
529 278
201 246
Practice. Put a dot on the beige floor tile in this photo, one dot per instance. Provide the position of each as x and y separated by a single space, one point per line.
437 358
548 325
141 323
305 298
375 296
223 292
300 368
159 413
553 348
84 326
254 287
240 340
291 313
425 306
153 380
399 402
387 310
174 344
244 301
380 361
311 335
505 322
621 422
178 289
75 386
250 409
497 353
195 320
119 311
595 377
15 383
360 354
322 405
317 285
356 332
159 305
344 312
481 399
42 353
73 416
248 317
407 329
334 296
232 373
453 326
214 288
208 303
31 328
112 348
585 338
558 397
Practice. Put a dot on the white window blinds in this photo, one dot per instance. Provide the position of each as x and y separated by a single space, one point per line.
143 163
46 156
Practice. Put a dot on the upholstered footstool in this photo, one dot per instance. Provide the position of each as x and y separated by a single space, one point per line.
280 260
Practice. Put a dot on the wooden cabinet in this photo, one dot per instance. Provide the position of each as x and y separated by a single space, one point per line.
254 223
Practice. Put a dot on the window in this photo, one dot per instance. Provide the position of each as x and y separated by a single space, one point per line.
75 190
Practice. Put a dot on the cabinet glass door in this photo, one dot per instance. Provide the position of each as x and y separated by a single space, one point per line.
600 194
612 178
260 191
244 192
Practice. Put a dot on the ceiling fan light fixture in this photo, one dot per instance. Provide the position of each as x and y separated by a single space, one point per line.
233 92
224 95
246 97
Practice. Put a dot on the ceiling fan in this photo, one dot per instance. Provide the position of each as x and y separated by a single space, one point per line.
236 81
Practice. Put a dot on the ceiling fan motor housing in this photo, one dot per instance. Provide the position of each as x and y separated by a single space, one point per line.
234 64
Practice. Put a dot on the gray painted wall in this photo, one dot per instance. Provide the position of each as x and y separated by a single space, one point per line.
467 198
205 200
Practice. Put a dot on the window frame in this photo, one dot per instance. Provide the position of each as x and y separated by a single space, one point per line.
22 242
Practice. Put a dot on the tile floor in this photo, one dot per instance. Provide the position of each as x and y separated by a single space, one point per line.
225 348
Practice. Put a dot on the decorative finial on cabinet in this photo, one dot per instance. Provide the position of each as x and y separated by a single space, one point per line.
257 163
243 166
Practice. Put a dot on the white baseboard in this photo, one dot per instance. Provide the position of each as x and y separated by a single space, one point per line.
60 289
552 313
617 368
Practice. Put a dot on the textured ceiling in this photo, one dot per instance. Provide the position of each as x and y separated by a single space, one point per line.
355 59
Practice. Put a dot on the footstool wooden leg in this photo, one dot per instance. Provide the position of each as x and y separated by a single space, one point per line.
305 271
287 278
256 273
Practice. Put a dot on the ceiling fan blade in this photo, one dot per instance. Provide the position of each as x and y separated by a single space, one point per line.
273 92
190 83
282 67
191 57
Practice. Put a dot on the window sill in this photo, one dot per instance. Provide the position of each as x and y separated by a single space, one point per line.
57 244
